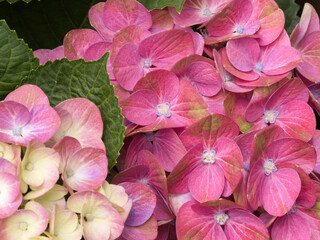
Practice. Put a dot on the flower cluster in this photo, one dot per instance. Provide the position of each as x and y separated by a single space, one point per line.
221 139
46 154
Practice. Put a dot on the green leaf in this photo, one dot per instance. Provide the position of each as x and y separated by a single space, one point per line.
16 60
160 4
290 9
13 1
44 24
64 79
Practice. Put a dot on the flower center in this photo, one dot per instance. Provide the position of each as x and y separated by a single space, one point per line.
227 78
89 217
150 137
270 116
208 156
147 63
246 166
29 166
1 154
269 167
163 109
23 226
239 29
258 67
206 12
69 173
221 218
17 132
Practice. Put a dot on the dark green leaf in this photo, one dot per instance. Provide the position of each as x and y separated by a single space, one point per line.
160 4
16 60
290 9
64 79
44 24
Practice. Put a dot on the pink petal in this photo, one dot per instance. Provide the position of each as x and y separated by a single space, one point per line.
244 225
279 191
43 124
191 224
287 58
243 53
77 41
290 150
81 119
178 178
206 182
208 129
146 231
127 66
315 141
293 89
168 148
297 119
166 48
28 95
309 48
143 203
96 51
118 14
204 77
309 22
141 102
271 18
45 55
247 76
133 34
96 20
307 196
229 158
66 147
161 21
164 83
291 227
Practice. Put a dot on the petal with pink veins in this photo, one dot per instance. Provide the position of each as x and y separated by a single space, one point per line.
279 191
28 95
166 48
143 203
204 78
297 120
118 14
309 22
142 102
243 53
244 225
208 130
96 20
96 51
291 226
128 66
206 182
81 119
77 41
295 151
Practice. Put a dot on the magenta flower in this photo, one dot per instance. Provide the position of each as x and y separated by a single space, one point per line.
82 168
162 101
45 55
305 38
273 182
286 108
25 114
255 64
164 144
315 141
221 219
197 12
81 119
160 50
261 19
212 166
149 172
